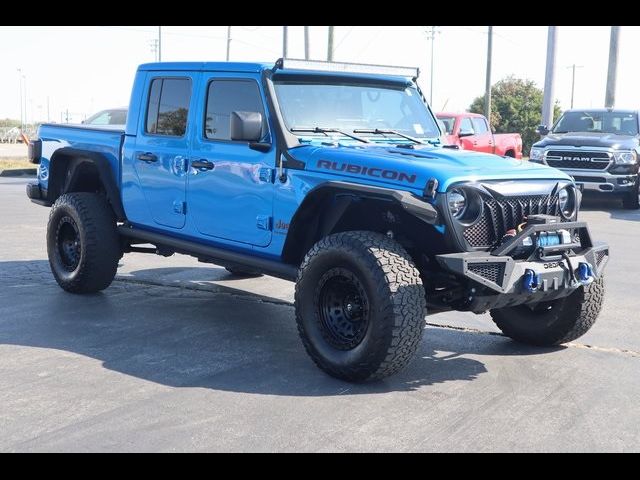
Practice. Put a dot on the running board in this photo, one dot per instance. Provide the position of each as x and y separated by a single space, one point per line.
225 257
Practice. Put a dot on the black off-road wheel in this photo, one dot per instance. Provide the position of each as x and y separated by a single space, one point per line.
240 272
360 305
82 242
555 322
631 200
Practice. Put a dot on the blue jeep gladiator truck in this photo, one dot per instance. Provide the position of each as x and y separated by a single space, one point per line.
333 176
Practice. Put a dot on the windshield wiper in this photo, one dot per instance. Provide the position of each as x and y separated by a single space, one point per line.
329 130
377 131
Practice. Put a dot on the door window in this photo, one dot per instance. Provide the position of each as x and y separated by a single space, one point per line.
465 125
168 106
479 125
226 96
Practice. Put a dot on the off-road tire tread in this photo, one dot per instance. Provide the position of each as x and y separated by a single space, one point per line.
101 244
581 309
392 268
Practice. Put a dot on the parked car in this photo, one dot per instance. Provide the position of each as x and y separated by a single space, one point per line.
599 148
471 131
335 180
113 116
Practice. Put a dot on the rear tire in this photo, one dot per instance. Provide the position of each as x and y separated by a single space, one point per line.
82 242
631 200
360 305
552 323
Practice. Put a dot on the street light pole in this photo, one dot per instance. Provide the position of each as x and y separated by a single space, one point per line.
431 36
159 43
228 42
573 79
21 104
26 122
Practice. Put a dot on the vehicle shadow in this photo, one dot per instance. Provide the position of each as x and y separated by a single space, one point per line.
611 205
226 340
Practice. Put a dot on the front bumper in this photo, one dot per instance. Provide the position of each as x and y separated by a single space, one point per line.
599 181
498 280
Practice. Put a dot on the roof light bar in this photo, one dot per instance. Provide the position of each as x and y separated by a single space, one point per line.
319 65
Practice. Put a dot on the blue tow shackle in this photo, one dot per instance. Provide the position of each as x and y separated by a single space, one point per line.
585 273
530 280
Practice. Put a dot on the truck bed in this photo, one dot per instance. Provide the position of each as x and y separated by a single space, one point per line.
106 140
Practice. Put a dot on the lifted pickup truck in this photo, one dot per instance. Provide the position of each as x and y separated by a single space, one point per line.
598 148
471 131
334 179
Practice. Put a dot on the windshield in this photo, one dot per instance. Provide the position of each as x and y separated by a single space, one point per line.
448 123
350 107
619 123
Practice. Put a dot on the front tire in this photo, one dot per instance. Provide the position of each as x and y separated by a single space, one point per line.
631 200
82 242
555 322
360 305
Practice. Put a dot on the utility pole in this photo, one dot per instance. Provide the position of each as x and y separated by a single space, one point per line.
285 41
153 44
431 35
573 79
549 79
330 45
26 122
610 94
306 43
487 87
159 43
21 110
228 42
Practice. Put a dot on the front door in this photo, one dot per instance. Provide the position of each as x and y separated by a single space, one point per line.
230 193
483 138
162 149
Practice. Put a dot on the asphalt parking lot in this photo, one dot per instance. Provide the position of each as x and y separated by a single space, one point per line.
180 356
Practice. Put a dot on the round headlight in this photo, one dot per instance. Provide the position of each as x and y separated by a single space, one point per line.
567 202
457 202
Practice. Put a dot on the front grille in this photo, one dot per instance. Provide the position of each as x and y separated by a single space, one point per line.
494 272
502 215
578 160
578 178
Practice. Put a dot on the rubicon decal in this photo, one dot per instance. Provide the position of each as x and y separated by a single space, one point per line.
369 171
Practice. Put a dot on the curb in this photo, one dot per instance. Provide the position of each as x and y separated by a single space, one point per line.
19 172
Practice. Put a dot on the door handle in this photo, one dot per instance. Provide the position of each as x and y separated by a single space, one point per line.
148 157
202 164
475 142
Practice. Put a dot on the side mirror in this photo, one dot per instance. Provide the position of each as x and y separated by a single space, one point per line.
543 130
245 126
466 133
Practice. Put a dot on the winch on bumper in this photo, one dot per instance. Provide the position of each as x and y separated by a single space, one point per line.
546 260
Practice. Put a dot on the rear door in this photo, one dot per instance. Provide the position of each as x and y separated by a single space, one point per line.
231 196
483 139
162 149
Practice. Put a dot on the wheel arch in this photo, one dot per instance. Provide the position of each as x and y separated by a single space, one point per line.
341 206
75 170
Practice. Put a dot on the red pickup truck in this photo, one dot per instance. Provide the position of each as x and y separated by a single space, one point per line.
470 131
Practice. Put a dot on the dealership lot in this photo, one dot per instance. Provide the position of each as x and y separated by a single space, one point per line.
178 355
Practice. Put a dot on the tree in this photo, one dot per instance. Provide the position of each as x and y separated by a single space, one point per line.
516 106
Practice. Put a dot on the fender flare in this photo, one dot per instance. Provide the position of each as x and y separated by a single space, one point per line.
105 175
345 193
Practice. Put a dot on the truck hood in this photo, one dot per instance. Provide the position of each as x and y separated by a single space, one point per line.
589 139
412 168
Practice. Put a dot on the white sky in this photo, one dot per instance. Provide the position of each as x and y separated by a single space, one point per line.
85 69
